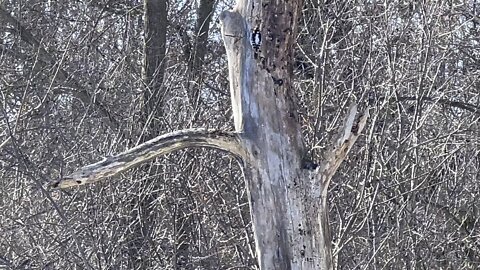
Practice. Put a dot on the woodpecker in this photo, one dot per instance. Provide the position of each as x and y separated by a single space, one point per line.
256 39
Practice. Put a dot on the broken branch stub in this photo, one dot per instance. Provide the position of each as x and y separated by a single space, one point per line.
234 29
345 139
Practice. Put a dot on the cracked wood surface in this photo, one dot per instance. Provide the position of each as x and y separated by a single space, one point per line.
346 138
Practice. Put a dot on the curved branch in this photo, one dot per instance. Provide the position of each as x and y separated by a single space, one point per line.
161 145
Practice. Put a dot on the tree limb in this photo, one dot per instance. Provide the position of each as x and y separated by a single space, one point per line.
7 140
346 138
164 144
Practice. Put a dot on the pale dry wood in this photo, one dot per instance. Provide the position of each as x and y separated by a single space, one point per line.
289 215
341 145
234 30
5 142
161 145
287 202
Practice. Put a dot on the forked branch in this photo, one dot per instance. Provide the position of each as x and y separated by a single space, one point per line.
161 145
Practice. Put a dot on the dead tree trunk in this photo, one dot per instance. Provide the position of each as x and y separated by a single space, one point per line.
288 202
287 198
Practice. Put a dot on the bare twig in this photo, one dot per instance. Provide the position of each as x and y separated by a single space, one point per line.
46 59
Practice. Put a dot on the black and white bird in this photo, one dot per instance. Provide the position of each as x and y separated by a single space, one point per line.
256 39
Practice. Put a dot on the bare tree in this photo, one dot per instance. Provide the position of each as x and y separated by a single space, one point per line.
287 199
73 88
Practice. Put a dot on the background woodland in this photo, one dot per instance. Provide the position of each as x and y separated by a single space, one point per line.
79 82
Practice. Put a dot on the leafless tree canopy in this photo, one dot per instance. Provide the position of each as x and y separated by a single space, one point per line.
76 88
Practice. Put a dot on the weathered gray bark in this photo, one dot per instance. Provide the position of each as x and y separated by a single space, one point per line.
287 199
161 145
288 203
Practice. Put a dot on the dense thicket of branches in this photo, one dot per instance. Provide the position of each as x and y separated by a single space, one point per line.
72 92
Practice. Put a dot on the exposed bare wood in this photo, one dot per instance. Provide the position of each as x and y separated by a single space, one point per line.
341 145
321 177
290 219
144 152
234 31
405 197
287 201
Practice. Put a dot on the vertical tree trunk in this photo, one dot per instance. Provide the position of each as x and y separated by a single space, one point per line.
155 32
154 66
202 28
196 59
287 196
287 201
184 220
